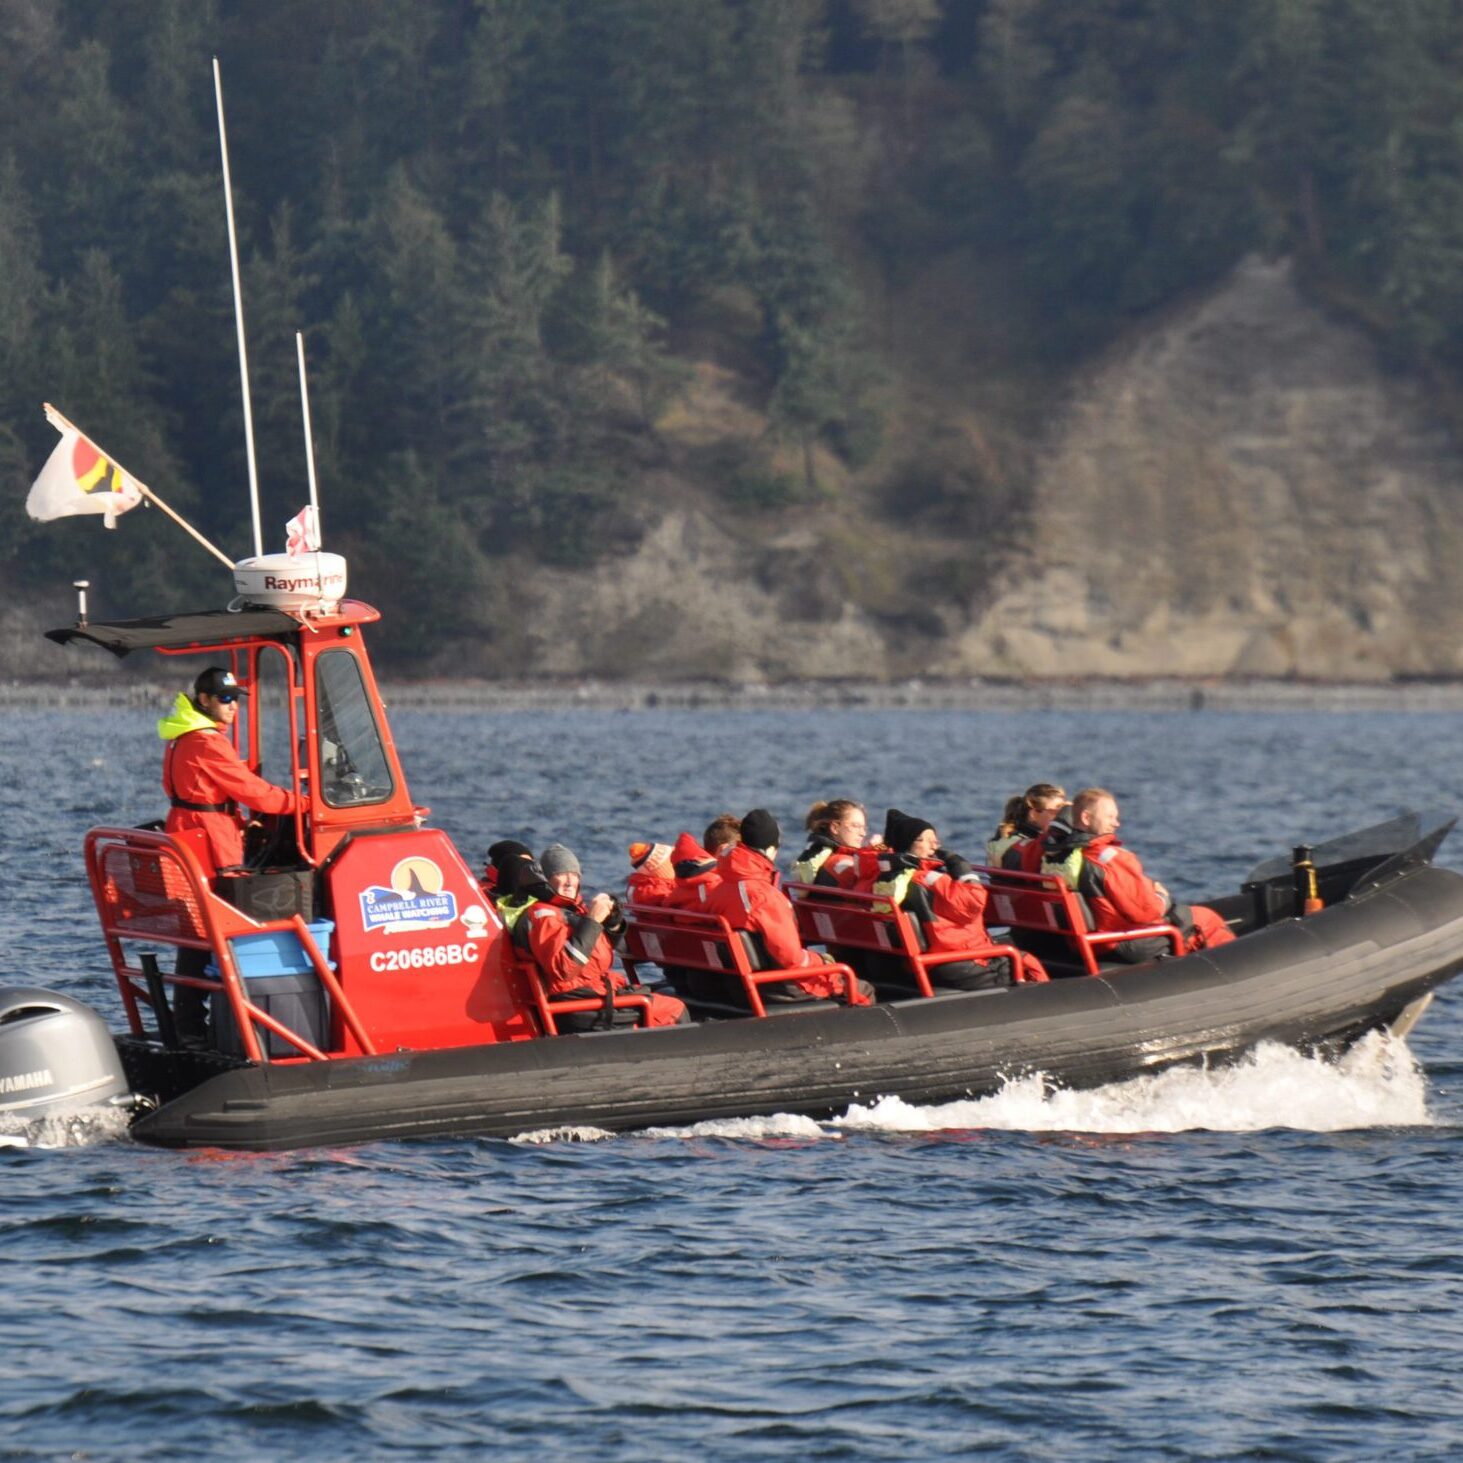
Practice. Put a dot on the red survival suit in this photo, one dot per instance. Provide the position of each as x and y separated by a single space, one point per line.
203 778
835 864
1004 850
748 898
695 874
951 914
651 881
574 955
1119 894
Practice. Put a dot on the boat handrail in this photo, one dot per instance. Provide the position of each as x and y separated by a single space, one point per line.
151 887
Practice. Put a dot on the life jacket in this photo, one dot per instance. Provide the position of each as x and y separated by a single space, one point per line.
835 865
1108 879
1062 850
898 888
515 907
812 858
511 910
184 718
946 912
998 850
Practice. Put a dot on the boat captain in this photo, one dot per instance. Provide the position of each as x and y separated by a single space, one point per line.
205 779
203 775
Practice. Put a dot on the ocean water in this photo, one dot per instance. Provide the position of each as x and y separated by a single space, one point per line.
1256 1263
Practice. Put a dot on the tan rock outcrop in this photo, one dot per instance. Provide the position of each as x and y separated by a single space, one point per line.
693 600
1242 490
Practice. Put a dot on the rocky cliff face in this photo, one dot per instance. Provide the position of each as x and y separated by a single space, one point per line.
1244 490
699 599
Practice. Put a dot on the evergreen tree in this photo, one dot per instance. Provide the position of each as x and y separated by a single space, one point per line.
411 304
1012 60
275 286
603 329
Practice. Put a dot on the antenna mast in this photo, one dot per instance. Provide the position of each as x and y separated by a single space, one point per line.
223 146
310 459
309 437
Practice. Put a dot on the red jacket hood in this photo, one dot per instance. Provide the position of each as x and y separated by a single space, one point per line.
688 851
750 863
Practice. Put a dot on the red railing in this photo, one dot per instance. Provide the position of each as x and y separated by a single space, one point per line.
151 888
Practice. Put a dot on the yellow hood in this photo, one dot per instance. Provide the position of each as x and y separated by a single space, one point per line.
184 717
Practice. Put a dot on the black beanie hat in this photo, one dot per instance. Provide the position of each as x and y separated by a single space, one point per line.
760 830
502 855
901 829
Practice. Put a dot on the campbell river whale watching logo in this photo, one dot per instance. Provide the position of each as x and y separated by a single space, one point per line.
416 899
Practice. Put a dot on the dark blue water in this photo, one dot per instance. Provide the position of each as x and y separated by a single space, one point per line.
1253 1264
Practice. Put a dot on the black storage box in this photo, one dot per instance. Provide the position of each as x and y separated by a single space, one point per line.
271 893
295 1000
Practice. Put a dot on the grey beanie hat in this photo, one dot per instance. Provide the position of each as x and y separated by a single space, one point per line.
556 859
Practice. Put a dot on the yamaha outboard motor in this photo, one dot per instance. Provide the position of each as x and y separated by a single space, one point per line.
56 1055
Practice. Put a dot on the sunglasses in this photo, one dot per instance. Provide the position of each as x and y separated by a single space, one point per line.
227 697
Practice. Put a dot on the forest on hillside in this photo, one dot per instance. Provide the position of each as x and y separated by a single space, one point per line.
507 227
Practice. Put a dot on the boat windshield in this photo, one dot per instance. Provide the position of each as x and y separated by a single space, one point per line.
353 765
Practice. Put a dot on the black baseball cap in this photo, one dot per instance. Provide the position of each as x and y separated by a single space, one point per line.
216 681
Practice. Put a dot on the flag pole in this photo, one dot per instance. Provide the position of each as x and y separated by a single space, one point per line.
62 424
223 147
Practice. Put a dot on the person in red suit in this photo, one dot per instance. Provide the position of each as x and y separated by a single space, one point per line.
697 873
652 878
569 940
748 898
941 892
205 781
203 776
836 855
669 876
1086 853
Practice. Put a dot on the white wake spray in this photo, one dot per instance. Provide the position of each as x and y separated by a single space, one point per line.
1376 1084
78 1129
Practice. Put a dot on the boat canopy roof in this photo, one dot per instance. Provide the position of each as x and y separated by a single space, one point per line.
203 628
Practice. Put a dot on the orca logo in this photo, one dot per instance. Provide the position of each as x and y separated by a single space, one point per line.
416 899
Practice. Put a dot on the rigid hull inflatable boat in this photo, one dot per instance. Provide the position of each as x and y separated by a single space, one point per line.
360 990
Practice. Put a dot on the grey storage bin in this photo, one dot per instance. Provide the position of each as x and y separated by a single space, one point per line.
295 1000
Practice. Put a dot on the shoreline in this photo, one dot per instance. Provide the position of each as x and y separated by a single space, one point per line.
1159 694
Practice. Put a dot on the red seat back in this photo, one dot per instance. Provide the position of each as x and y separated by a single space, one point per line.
1045 902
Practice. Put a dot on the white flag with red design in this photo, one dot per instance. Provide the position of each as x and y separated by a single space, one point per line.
303 533
77 478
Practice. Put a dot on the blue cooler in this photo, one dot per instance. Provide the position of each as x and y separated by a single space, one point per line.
279 979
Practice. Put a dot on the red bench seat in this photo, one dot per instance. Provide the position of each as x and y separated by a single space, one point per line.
693 940
856 921
1045 903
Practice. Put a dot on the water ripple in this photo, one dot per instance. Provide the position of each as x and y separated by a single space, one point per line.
1255 1263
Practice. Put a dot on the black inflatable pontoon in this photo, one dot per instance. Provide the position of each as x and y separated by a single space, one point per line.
1391 933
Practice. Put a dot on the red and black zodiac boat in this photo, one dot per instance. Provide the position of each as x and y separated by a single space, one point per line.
359 989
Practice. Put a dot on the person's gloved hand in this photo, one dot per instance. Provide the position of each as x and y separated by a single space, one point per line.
956 866
614 921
